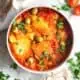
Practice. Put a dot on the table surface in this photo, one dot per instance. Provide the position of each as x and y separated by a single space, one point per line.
6 61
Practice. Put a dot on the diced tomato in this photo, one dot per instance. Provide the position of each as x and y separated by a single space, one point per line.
72 3
30 52
54 57
54 44
26 64
50 18
19 19
45 61
25 15
33 66
42 14
50 63
38 67
47 16
76 10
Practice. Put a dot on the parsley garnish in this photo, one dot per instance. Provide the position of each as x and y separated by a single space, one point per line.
64 7
60 24
74 65
14 66
4 76
16 79
21 26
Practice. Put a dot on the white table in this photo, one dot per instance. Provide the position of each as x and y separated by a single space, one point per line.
5 59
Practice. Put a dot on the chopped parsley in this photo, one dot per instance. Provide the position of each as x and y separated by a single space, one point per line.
14 23
4 76
60 24
74 65
21 27
64 7
14 66
62 47
16 79
20 50
45 54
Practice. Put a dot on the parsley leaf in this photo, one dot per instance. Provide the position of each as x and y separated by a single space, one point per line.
74 65
16 79
60 24
4 76
14 66
65 7
21 26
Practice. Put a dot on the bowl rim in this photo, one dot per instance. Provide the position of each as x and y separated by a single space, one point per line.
59 67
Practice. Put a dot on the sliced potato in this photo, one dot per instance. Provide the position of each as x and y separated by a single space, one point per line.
21 49
41 26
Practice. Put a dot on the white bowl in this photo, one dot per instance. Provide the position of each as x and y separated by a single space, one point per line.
39 72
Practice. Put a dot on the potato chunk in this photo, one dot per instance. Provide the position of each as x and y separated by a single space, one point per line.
21 48
41 26
12 38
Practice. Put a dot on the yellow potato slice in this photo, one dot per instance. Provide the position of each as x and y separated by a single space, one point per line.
21 48
41 26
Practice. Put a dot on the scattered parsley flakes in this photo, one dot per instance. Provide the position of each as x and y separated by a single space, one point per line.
60 24
4 76
64 7
74 66
14 66
16 79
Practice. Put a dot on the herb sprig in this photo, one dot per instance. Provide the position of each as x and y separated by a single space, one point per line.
4 76
14 66
74 65
64 7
